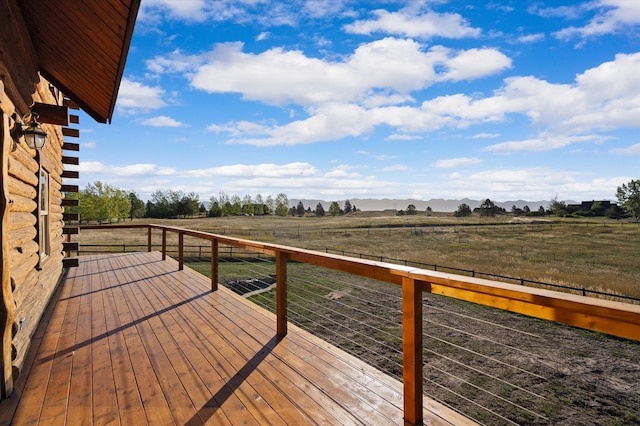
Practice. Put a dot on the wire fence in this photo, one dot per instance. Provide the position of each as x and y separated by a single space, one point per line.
200 252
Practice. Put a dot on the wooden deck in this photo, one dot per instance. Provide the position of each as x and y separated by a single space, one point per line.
131 340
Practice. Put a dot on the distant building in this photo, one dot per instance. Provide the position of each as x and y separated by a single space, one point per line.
602 207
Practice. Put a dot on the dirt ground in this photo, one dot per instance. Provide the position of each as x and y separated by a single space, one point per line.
495 367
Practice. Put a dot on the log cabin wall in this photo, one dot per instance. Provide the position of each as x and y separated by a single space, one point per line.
33 270
80 47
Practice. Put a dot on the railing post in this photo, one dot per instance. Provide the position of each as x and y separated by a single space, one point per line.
180 251
164 244
149 239
214 265
281 293
412 350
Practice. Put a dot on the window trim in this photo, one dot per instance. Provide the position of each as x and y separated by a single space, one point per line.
44 208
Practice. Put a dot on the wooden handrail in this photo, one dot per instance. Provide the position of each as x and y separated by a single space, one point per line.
611 317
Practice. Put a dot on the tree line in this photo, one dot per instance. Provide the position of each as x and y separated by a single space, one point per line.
628 196
101 202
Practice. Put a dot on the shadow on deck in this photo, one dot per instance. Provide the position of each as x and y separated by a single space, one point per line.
129 339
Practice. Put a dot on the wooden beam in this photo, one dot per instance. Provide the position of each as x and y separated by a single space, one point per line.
214 265
164 244
70 230
69 188
180 251
70 262
70 246
412 350
70 216
71 133
70 104
70 146
70 160
68 202
281 293
51 114
70 174
74 119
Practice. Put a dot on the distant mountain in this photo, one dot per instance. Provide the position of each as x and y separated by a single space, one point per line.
436 204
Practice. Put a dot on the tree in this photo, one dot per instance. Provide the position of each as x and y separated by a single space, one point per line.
429 211
102 202
137 206
282 205
516 211
248 207
347 207
215 210
628 195
334 209
258 206
236 205
411 210
300 209
558 208
319 210
270 205
463 211
488 208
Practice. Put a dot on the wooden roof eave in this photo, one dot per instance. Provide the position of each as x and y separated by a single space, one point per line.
90 55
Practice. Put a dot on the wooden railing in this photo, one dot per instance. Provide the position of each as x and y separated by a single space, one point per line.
615 318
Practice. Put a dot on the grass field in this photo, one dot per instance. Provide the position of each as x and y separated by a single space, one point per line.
593 254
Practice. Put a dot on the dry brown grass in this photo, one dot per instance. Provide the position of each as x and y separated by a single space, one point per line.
595 255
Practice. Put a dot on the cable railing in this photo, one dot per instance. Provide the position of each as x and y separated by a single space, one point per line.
396 329
198 251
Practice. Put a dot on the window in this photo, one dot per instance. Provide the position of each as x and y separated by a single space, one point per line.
43 207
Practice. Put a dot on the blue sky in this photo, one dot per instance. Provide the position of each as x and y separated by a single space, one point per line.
338 99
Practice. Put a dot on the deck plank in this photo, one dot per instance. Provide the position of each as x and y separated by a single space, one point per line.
133 340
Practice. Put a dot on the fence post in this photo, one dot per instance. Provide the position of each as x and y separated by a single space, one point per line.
164 244
281 293
412 350
214 265
180 251
149 239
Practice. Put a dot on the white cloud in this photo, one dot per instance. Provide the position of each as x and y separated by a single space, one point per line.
485 136
630 150
400 137
263 36
342 172
538 183
396 168
543 143
162 121
411 23
531 38
129 170
601 98
387 69
134 97
263 170
88 145
455 163
613 16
